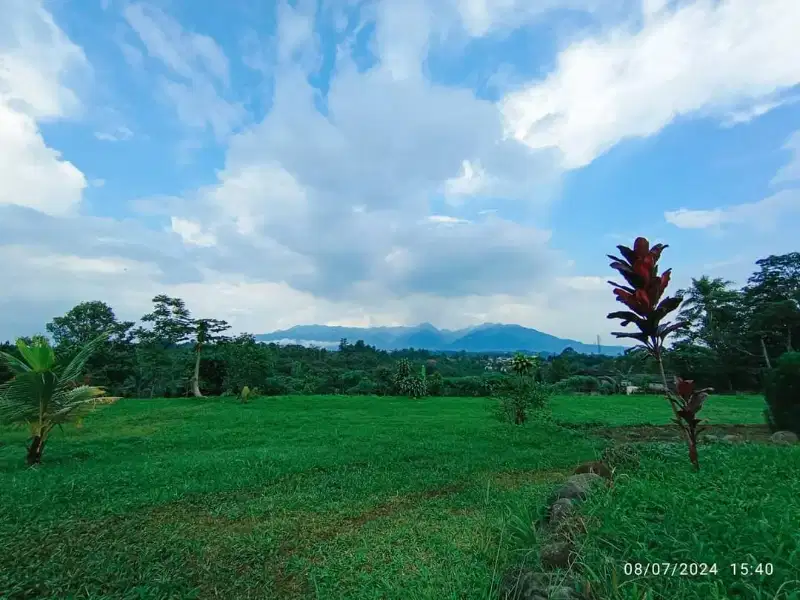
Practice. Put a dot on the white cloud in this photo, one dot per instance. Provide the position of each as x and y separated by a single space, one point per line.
790 172
482 17
446 220
472 180
705 57
763 215
35 60
192 233
198 81
118 134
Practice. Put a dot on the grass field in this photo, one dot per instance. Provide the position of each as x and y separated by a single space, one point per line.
345 497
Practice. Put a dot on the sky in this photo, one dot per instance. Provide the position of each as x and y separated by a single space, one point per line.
388 162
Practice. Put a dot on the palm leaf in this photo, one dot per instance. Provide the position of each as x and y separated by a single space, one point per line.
77 402
27 396
73 370
13 363
39 355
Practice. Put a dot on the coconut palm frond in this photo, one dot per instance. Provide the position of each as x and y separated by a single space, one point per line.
76 365
13 363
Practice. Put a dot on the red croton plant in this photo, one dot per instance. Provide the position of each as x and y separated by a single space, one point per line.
644 296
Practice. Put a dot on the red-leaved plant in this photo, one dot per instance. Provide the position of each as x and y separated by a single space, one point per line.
644 296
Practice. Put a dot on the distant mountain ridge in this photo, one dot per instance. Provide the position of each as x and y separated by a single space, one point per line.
488 337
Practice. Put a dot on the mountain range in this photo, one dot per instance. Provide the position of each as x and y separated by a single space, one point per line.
488 337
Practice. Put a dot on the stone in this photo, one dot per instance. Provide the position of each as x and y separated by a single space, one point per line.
576 487
556 555
521 583
563 592
595 466
732 438
784 437
561 510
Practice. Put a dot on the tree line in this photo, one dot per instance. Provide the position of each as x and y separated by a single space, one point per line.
732 339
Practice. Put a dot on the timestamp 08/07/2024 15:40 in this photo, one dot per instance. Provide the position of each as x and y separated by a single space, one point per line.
695 569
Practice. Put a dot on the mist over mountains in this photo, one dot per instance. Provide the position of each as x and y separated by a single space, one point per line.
488 337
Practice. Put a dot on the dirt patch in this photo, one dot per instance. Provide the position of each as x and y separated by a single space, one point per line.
670 433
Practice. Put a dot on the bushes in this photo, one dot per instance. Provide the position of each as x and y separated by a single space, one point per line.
519 398
783 394
577 383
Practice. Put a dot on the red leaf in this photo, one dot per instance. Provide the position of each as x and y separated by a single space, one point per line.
657 250
622 287
667 305
641 247
628 317
684 387
629 254
665 277
642 298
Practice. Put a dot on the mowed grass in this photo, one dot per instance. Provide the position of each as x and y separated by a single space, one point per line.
294 497
343 497
655 410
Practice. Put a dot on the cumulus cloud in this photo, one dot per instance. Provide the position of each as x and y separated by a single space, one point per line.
375 202
36 62
707 57
344 197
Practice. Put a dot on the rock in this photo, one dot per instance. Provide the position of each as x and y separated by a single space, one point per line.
521 583
577 486
596 466
784 437
556 555
732 438
563 592
560 510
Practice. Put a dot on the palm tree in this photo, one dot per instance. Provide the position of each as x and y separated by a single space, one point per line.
522 364
43 394
703 303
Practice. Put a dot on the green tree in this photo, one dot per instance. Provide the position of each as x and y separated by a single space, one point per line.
772 304
206 331
43 394
160 363
112 361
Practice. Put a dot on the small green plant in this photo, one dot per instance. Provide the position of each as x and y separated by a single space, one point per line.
783 394
520 393
43 394
247 394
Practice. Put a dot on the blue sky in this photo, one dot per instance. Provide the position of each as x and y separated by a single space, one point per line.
388 161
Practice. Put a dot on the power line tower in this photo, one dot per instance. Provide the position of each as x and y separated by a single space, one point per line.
598 344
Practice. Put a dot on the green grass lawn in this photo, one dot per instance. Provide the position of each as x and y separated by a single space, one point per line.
322 497
654 410
343 497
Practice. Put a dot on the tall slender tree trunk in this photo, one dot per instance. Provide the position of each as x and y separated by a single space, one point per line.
764 351
196 377
789 339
